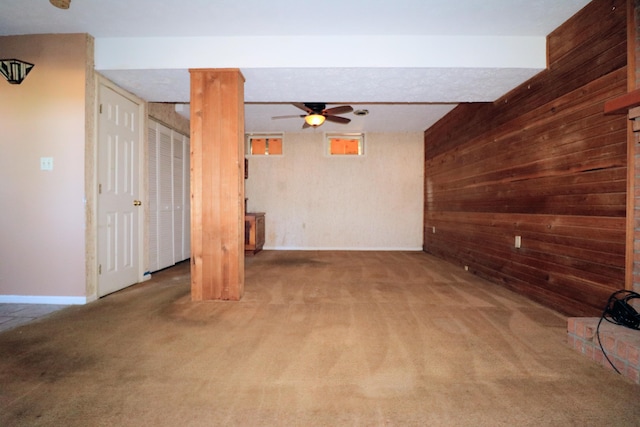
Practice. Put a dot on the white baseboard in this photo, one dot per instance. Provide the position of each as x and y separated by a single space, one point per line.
32 299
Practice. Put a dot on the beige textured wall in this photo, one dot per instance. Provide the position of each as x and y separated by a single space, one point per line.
313 201
166 113
91 232
42 227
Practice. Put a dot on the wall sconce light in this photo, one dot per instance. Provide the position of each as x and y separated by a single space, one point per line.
14 70
314 120
61 4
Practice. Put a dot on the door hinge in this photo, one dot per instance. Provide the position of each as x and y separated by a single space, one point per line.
99 268
100 108
99 188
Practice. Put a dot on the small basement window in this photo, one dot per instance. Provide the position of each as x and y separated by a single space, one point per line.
265 145
349 144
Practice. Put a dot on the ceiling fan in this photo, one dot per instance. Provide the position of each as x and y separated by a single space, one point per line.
61 4
317 113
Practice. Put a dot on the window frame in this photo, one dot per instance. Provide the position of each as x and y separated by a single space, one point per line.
360 136
264 135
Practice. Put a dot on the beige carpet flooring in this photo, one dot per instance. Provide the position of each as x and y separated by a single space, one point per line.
320 339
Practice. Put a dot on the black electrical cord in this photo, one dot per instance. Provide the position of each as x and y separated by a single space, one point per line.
602 348
619 312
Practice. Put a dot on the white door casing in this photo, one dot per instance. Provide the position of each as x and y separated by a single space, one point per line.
119 202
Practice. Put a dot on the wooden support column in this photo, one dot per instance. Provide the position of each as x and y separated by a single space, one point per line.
217 184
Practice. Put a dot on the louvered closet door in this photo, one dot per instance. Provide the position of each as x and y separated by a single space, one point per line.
181 198
187 199
165 198
178 197
160 197
152 150
169 197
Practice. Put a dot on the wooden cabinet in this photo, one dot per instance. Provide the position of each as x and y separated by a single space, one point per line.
253 232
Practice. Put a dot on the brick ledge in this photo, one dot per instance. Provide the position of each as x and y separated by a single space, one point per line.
621 344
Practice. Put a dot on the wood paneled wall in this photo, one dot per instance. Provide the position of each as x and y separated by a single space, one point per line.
544 163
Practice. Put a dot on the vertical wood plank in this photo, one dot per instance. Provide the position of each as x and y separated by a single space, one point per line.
217 184
631 149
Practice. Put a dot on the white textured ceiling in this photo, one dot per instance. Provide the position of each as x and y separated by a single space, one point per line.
406 61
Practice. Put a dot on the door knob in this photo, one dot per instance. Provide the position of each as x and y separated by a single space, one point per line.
137 203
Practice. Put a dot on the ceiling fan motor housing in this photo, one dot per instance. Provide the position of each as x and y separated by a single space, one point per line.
316 107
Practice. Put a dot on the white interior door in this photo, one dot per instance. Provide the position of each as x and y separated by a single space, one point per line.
119 206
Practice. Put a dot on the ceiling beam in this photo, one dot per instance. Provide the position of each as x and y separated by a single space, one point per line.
132 53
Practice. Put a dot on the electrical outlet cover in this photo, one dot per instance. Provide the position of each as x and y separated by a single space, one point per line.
46 163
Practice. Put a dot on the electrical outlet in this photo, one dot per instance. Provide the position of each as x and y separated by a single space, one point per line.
518 242
46 163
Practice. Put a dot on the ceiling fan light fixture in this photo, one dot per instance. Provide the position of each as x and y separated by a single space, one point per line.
314 120
61 4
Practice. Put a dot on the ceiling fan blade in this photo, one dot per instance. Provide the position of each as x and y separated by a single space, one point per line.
287 117
302 107
337 119
306 125
339 110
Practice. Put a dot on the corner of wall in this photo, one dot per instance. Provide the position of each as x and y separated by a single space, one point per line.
91 140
